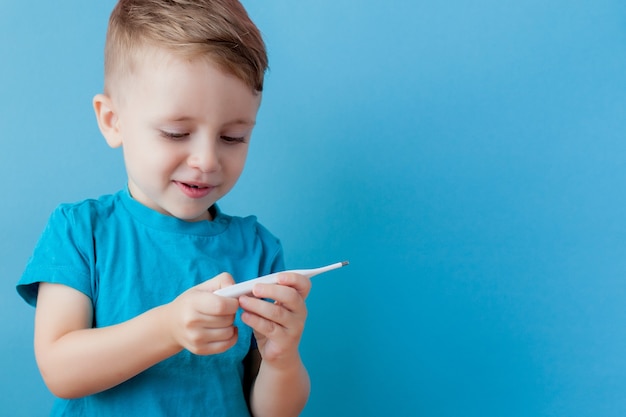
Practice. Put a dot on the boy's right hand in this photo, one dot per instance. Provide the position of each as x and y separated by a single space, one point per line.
201 322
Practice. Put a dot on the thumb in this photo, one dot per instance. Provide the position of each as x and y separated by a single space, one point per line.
219 281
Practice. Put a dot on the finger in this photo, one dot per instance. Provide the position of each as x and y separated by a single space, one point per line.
263 326
271 319
301 283
213 321
203 336
289 297
282 336
219 281
213 341
272 312
209 304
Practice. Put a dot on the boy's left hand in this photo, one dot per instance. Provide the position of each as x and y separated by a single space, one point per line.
278 326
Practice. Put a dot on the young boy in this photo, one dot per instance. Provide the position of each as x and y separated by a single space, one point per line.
126 321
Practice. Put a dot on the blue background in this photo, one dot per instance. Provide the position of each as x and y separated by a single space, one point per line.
467 157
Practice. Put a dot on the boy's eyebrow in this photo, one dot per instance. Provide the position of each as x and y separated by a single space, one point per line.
246 122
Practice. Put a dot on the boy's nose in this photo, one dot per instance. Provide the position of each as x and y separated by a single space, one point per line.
203 156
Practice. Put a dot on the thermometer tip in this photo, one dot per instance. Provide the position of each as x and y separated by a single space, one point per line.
344 263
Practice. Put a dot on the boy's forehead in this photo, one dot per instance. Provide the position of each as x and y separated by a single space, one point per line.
148 60
168 63
155 56
176 87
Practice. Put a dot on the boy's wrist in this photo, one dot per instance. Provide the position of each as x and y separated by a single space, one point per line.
163 317
284 364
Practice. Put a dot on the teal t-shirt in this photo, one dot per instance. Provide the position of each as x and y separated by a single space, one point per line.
127 259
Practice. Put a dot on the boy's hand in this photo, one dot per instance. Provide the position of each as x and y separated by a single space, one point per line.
278 326
202 322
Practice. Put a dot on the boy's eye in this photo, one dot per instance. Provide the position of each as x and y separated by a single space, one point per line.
174 135
231 139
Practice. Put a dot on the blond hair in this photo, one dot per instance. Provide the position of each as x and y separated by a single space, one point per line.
220 30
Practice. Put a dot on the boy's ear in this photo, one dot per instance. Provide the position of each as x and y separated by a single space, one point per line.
108 121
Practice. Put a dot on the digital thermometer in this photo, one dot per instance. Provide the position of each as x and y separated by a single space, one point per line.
245 287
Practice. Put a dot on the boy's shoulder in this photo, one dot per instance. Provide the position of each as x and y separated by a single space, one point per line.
248 223
89 208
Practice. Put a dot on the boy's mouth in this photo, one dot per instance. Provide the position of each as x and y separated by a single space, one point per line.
194 190
194 186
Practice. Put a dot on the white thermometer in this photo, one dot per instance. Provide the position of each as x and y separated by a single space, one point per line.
245 287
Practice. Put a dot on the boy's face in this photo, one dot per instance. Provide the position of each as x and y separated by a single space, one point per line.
185 128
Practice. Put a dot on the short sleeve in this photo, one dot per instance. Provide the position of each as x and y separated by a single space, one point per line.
273 259
63 255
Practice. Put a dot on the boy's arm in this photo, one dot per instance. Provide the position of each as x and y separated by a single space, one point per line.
282 385
76 360
280 391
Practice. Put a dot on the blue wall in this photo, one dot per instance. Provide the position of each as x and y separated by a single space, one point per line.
467 157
